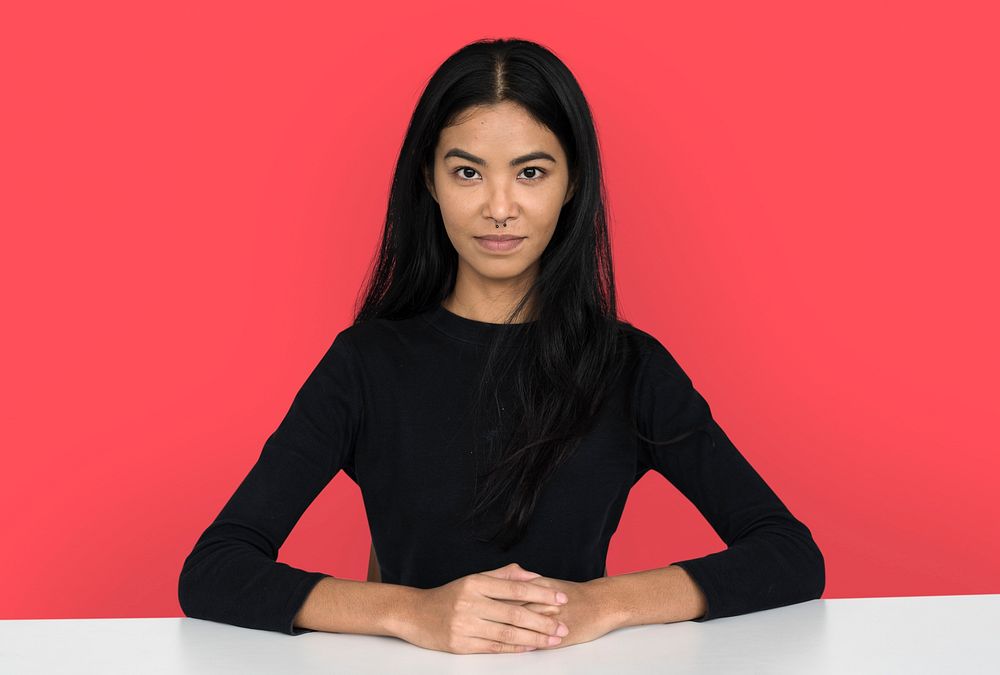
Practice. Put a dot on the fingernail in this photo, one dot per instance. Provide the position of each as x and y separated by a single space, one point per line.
554 640
530 649
561 597
562 630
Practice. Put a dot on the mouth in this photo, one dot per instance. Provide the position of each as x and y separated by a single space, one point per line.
500 243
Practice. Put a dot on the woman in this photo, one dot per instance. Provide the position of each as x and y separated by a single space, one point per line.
494 410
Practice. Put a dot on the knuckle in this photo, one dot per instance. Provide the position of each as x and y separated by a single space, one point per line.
515 614
506 634
496 647
518 590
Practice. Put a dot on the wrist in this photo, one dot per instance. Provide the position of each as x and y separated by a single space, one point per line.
401 619
608 595
661 595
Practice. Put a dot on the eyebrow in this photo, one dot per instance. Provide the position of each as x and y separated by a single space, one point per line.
530 157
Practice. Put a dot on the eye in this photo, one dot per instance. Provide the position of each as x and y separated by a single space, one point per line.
537 173
460 171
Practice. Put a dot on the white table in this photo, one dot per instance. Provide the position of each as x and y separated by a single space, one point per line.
935 634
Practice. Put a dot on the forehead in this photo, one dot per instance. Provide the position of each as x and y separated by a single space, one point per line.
504 129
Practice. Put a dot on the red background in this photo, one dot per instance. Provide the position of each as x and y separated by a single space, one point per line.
804 205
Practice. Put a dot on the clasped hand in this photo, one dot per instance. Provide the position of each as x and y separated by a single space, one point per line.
509 609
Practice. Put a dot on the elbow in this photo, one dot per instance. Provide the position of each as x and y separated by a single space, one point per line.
184 594
188 591
810 565
813 572
819 574
807 567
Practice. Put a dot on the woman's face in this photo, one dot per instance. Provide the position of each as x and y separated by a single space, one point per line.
498 163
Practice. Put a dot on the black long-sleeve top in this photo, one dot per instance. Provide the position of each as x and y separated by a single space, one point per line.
384 404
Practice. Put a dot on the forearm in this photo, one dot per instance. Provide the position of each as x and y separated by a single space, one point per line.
348 606
662 595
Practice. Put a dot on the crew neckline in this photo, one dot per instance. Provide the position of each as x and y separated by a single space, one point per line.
467 329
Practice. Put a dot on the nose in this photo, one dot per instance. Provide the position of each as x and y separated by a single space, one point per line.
500 204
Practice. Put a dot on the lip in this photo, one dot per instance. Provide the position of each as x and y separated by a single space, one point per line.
500 243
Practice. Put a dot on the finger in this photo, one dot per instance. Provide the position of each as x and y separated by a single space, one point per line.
522 591
475 645
539 607
547 582
512 571
547 610
519 617
513 635
517 574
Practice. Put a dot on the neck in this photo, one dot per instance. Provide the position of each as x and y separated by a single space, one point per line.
488 310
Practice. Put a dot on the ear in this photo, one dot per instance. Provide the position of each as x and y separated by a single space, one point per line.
570 192
429 182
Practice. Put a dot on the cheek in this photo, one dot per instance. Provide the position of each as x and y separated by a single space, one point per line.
455 210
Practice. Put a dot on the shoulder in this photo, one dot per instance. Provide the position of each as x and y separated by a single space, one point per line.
654 361
381 340
645 344
665 396
376 330
358 353
637 337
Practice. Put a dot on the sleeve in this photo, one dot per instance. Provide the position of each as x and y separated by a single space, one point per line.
232 574
771 559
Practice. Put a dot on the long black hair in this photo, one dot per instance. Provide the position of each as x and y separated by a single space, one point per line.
566 364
